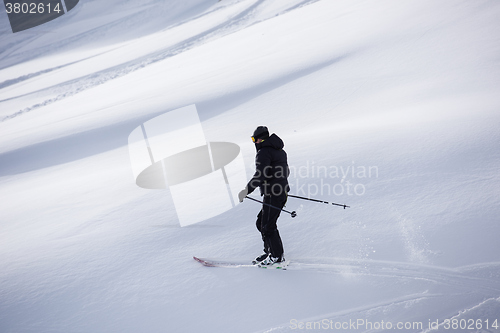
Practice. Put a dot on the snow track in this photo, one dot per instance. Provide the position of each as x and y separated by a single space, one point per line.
482 311
241 14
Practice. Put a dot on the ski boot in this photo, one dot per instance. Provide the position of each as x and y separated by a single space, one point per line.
260 258
273 262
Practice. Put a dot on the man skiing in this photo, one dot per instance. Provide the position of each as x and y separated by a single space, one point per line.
271 177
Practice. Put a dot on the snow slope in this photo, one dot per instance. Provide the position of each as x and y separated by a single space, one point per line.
388 106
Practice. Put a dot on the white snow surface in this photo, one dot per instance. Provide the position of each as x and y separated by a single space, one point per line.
397 100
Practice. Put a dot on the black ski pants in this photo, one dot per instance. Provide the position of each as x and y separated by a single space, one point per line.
266 223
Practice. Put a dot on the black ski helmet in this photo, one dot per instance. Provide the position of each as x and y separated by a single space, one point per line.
261 132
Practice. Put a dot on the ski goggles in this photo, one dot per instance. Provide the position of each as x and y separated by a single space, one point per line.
254 140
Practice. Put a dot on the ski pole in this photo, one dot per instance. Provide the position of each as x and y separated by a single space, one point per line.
316 200
293 214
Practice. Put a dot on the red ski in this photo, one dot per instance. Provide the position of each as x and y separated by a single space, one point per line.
233 263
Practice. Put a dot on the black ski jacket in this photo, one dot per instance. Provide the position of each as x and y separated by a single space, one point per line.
271 168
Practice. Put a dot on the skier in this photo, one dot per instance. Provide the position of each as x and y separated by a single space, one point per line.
271 177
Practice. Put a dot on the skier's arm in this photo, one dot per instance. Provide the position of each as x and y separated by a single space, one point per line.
262 163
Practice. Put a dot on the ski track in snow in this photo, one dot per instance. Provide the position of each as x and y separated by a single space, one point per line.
463 280
69 88
459 277
479 313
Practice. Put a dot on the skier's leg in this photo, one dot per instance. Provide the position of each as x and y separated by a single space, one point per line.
258 224
275 244
269 228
